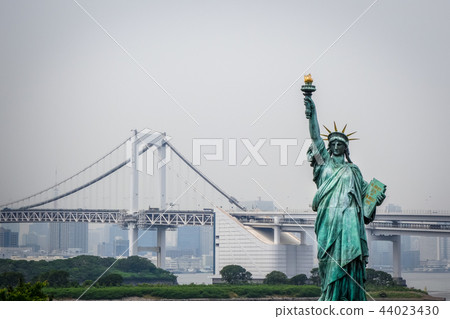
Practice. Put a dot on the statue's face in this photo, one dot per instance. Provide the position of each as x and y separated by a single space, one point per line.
337 148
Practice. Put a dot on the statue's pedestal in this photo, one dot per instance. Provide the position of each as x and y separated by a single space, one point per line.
399 281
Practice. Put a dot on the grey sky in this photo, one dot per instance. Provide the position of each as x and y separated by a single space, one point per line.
69 94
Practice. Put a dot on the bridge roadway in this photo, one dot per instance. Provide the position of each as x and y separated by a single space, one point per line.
387 226
428 224
418 224
432 224
443 216
143 219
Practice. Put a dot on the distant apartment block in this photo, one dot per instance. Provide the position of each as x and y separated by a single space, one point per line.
8 238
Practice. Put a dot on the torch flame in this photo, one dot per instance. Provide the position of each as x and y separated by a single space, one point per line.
308 79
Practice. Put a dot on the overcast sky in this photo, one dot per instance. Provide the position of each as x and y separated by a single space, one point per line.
69 93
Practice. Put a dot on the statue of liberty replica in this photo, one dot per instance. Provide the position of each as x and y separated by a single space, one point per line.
344 203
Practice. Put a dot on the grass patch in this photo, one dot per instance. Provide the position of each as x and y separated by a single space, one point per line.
220 292
185 292
397 293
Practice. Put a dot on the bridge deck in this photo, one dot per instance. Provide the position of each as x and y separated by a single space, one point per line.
385 223
429 227
143 219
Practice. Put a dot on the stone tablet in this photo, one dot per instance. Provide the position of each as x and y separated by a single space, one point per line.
375 187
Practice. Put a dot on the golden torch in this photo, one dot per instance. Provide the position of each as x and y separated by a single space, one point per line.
308 88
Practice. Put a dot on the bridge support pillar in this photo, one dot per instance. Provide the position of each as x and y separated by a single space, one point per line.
132 239
302 238
396 254
276 231
276 235
438 248
397 259
161 243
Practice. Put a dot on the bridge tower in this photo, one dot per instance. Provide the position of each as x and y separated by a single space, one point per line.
161 231
132 227
139 140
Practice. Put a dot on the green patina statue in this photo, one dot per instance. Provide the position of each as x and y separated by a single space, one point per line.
342 203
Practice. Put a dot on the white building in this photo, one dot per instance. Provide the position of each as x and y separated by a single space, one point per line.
255 249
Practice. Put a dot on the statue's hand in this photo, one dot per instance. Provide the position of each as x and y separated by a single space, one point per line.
309 106
380 198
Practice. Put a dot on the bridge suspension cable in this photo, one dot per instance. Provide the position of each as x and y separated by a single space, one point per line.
206 179
231 199
64 181
91 182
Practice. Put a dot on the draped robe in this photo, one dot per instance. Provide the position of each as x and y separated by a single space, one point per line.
341 236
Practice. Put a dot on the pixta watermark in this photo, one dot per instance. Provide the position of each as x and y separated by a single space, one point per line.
150 149
234 151
218 149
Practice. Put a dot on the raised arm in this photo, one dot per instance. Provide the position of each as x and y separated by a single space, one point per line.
311 115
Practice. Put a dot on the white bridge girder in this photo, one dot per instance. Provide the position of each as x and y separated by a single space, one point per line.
176 218
142 219
56 215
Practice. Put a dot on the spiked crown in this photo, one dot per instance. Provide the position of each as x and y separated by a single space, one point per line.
338 135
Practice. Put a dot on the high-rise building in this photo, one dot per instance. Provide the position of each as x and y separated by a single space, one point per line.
31 240
429 248
8 238
105 249
147 238
189 239
115 231
120 247
42 232
206 240
65 236
444 248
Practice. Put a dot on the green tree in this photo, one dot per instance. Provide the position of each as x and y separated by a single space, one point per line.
379 278
82 268
298 280
135 264
315 278
276 278
55 278
24 292
235 274
11 278
110 280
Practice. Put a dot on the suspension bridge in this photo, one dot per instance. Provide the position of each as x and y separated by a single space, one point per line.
37 207
131 168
